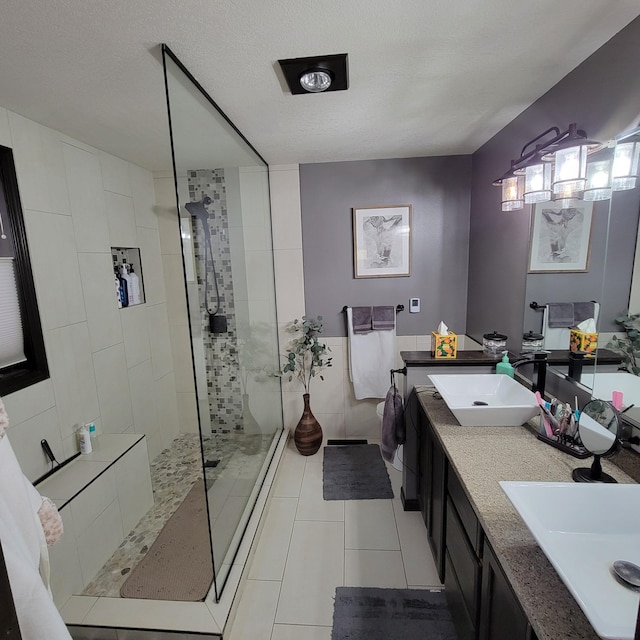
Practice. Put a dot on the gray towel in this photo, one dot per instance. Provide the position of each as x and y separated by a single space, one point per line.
583 311
393 431
361 319
383 318
560 315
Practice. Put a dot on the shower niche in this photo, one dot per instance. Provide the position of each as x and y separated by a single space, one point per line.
127 272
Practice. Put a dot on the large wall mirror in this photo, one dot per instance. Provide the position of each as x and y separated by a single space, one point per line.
611 277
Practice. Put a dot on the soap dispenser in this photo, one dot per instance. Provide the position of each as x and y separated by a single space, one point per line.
505 366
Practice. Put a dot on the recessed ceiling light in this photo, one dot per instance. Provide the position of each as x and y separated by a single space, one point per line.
316 81
317 74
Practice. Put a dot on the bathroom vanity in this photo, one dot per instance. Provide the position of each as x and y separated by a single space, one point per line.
499 583
421 364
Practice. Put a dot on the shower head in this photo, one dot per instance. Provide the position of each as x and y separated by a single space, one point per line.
198 209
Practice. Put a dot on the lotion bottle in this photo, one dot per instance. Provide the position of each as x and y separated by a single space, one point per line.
505 366
84 439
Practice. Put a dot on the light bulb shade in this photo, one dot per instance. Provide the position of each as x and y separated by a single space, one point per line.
512 193
537 183
598 185
625 166
570 170
315 81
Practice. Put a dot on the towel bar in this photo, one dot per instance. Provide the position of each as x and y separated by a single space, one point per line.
399 308
537 307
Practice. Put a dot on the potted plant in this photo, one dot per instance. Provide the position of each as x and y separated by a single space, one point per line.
629 345
305 358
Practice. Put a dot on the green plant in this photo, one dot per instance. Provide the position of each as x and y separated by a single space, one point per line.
306 356
629 345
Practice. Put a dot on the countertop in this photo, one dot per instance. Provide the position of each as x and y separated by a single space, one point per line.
424 358
482 456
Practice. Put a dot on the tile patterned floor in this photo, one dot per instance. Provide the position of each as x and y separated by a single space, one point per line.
308 547
173 472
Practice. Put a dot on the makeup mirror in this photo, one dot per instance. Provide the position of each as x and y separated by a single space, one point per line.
598 430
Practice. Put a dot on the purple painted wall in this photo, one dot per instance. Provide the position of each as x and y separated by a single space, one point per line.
603 96
437 189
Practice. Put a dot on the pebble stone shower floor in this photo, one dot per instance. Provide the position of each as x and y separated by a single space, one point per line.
173 472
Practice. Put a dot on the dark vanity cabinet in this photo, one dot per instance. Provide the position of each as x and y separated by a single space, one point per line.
502 617
479 596
432 480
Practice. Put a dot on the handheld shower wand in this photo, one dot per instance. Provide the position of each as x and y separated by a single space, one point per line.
198 210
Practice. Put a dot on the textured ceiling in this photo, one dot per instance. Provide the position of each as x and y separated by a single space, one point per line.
427 77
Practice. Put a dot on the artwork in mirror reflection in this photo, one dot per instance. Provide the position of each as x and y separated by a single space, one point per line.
560 237
610 275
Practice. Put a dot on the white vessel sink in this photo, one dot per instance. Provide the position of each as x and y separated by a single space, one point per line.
583 529
486 399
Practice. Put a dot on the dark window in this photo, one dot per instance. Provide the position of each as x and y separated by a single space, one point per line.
23 360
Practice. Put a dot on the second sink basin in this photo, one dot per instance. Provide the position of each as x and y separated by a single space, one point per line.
583 529
486 400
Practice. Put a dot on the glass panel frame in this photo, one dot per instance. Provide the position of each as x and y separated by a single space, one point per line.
224 221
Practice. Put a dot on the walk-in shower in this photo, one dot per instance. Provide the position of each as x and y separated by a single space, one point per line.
222 200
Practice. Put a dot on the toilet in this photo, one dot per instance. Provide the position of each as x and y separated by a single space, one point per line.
397 459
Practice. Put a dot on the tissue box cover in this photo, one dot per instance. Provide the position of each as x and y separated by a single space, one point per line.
444 345
581 341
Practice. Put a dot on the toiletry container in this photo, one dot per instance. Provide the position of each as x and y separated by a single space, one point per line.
493 344
505 366
532 342
84 439
93 435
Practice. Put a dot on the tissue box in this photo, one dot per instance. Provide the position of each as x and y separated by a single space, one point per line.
581 341
444 345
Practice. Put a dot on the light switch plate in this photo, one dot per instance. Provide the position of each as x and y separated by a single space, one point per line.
414 305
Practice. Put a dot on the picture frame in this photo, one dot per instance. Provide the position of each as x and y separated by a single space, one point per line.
382 241
560 239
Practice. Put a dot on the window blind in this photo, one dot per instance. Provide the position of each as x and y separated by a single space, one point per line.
11 335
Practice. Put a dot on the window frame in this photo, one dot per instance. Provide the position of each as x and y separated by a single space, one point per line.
35 368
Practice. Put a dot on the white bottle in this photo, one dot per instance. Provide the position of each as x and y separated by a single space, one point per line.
134 287
93 435
124 272
84 439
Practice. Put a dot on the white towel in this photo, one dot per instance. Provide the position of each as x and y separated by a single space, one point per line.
25 551
558 338
371 358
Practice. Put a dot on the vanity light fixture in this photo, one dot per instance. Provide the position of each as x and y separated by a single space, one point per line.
626 161
316 74
556 165
598 185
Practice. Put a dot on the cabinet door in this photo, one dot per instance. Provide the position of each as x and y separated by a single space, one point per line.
438 504
501 616
425 465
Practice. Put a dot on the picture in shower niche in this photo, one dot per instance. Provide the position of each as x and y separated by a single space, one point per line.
560 237
382 241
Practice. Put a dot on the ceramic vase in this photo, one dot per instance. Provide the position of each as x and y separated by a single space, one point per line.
308 433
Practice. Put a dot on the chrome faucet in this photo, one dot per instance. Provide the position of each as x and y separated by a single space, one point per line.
539 361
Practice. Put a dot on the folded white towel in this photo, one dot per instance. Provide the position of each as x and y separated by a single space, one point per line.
371 358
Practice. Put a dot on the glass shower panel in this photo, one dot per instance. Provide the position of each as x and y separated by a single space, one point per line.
222 189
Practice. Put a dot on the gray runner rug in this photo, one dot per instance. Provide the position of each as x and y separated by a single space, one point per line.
355 472
178 564
363 613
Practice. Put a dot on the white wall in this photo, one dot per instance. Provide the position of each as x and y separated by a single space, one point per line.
113 366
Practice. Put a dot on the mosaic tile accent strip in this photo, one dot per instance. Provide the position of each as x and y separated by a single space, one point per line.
225 393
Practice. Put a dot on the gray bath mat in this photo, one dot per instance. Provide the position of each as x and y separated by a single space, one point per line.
355 472
363 613
178 564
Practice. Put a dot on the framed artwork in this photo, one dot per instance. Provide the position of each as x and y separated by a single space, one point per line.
382 241
560 237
